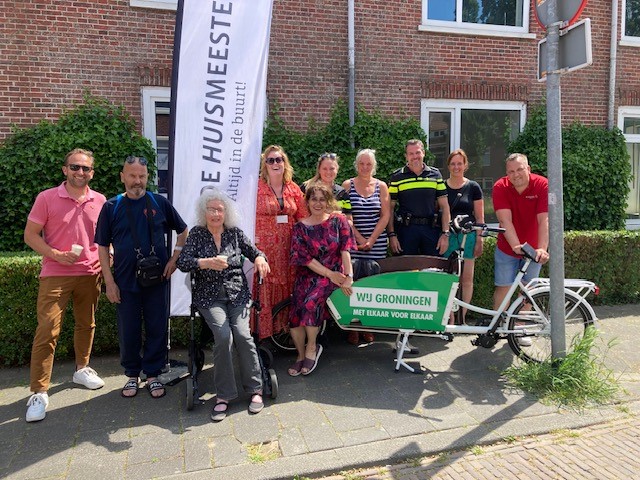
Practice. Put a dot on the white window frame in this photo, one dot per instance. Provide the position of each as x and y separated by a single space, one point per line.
628 138
155 4
456 106
151 95
463 28
624 39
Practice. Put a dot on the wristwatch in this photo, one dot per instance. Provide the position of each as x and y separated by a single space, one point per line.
446 234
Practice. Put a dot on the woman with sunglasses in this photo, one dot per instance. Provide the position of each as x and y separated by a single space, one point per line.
280 205
326 173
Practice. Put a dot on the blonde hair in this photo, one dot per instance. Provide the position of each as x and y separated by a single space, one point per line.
325 156
288 169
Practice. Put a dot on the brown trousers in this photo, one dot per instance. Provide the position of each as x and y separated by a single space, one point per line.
53 296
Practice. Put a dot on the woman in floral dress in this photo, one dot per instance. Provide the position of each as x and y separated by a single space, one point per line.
320 246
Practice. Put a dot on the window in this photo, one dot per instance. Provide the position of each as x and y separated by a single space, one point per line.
629 123
477 17
155 119
157 4
482 129
631 22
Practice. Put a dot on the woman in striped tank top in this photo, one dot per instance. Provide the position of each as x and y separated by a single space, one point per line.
370 210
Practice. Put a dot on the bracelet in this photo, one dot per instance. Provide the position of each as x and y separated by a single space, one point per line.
392 234
177 248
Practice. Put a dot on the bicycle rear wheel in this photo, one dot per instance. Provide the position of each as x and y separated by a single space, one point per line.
280 316
534 343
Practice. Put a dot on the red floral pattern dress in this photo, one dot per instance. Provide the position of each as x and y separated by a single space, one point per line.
324 242
274 239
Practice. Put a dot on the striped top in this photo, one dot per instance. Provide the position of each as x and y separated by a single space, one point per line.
366 214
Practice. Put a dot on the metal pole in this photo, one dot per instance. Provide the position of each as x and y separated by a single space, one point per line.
554 172
352 65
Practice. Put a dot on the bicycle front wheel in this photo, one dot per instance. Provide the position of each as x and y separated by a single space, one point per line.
280 316
531 339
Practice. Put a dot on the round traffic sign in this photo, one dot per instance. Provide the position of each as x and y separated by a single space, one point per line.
568 11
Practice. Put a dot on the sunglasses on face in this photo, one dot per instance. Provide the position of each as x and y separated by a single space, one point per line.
75 168
273 160
141 160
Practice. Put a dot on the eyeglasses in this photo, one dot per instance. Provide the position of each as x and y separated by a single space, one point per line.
332 156
215 210
75 168
141 160
272 160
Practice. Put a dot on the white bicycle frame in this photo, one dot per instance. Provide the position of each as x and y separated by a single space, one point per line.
575 288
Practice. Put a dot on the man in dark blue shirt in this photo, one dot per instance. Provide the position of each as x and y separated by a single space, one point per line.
124 224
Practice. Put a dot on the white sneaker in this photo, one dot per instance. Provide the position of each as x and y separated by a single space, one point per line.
38 403
525 341
88 377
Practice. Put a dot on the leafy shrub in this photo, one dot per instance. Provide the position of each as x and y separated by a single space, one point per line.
18 313
371 130
610 259
31 159
595 166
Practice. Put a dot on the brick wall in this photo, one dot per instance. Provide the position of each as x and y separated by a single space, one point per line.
52 50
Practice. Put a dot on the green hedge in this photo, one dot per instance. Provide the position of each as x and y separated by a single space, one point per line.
31 158
610 259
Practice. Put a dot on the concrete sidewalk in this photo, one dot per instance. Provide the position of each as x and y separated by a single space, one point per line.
354 411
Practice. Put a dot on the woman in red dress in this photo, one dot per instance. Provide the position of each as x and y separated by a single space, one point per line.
320 246
280 205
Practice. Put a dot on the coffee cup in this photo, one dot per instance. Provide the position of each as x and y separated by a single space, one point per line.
77 249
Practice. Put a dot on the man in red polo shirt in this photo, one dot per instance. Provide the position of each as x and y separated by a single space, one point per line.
520 201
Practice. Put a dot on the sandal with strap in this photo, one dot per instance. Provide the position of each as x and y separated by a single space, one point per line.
296 368
256 404
155 386
219 411
130 386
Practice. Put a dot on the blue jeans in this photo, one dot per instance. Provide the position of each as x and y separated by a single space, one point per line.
507 267
230 325
148 306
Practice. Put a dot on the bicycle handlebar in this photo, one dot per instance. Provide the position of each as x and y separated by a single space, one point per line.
464 224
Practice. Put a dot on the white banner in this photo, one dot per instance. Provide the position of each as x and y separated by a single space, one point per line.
218 109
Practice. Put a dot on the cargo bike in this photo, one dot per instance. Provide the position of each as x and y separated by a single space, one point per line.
420 301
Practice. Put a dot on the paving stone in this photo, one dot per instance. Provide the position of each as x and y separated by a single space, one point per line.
108 465
197 455
321 437
153 448
227 450
161 468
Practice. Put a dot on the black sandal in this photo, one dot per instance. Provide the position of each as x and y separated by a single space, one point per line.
130 386
154 386
219 415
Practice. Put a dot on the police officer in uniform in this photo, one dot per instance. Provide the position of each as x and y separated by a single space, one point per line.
419 192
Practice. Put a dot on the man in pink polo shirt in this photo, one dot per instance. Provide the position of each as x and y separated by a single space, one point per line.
62 220
520 201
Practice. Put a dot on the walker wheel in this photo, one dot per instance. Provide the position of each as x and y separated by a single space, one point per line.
274 383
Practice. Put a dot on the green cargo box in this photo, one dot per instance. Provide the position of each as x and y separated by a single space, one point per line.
397 300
